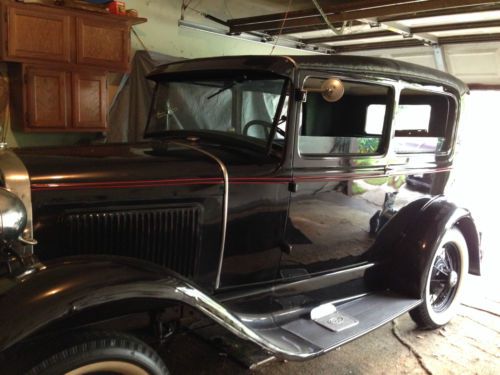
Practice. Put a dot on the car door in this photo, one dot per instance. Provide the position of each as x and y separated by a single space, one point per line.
340 188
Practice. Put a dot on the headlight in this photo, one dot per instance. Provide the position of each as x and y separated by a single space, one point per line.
13 216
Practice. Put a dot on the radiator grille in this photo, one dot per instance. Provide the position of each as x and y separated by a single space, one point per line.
168 236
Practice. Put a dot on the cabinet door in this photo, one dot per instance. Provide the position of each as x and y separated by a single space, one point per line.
47 98
89 101
104 44
33 34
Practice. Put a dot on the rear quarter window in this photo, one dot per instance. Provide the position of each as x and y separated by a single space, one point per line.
423 122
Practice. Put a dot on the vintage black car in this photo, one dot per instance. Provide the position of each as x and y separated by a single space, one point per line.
269 199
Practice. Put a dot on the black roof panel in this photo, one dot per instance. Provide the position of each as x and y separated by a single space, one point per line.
285 65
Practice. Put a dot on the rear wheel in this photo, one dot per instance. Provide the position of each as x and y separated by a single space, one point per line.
100 353
443 280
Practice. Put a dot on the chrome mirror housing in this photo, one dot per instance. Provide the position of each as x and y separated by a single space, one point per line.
13 216
331 89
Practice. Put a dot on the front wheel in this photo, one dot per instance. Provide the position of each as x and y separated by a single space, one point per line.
444 281
101 353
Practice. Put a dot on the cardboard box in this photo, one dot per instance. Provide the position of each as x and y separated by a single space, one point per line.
117 7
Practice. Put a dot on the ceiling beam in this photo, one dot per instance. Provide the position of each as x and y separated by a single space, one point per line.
334 6
413 30
301 29
473 8
475 38
444 12
459 39
378 45
401 10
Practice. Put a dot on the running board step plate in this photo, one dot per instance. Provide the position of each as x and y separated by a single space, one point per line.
328 316
371 312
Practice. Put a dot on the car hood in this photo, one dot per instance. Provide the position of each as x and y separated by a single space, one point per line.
82 166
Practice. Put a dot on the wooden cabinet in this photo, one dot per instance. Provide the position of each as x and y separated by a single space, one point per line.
65 55
58 100
90 97
102 43
31 34
47 101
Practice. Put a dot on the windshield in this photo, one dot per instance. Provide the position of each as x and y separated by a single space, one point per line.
238 107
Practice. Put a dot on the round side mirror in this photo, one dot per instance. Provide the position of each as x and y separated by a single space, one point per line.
332 90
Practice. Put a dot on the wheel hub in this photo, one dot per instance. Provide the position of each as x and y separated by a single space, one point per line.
453 279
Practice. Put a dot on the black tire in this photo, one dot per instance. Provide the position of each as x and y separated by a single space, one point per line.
443 282
100 352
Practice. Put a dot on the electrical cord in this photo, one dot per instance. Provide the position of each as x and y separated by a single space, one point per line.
327 21
282 26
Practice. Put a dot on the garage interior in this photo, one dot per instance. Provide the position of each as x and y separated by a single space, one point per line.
461 37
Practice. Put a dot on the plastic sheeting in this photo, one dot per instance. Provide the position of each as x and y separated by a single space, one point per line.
189 106
218 105
129 111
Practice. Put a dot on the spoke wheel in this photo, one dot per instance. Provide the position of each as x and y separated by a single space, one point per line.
444 277
443 282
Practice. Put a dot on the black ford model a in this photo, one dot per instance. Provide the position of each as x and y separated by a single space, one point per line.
270 199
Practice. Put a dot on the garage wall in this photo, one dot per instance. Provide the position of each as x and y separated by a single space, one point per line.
162 34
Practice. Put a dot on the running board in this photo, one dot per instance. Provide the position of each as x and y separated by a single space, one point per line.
309 336
329 317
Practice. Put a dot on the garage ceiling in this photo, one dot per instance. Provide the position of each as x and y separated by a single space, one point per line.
461 37
341 26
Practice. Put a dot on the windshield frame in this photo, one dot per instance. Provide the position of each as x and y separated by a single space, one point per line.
266 144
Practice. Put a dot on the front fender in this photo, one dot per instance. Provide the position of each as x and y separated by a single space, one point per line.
412 253
69 286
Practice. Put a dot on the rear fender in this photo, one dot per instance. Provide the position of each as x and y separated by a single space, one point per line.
411 254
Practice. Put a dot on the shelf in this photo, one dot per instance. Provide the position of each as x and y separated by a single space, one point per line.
79 11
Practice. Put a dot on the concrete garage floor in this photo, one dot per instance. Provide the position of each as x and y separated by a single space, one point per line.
470 344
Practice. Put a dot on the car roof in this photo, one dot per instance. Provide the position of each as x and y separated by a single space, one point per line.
374 67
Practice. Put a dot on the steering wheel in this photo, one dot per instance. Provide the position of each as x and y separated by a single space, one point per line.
265 124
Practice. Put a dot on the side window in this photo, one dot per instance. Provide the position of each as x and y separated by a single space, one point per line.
423 122
352 125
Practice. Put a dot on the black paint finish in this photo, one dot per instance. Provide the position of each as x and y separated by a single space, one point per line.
301 230
67 286
85 182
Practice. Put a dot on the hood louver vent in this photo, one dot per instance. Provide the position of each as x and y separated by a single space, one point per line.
167 236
